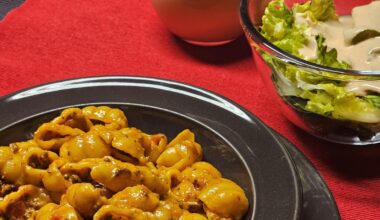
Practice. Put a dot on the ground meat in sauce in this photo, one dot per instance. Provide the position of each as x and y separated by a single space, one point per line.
40 161
6 188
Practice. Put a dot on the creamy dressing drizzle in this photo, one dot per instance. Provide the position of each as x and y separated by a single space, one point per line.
364 55
361 87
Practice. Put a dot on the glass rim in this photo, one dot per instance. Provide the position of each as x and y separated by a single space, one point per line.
266 45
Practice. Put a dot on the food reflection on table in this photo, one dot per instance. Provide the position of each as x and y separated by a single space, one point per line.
89 164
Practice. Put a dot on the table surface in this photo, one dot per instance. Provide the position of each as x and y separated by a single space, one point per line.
46 40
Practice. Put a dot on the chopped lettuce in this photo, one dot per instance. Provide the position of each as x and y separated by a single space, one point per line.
356 109
322 93
319 102
320 10
323 10
334 101
278 27
373 99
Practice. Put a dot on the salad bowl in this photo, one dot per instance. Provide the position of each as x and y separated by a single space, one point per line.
324 96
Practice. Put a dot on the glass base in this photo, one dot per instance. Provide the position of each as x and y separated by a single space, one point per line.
208 44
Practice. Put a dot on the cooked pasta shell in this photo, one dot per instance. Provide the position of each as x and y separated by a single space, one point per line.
54 181
6 155
113 212
37 162
136 197
153 145
74 118
85 198
157 181
168 209
23 146
185 135
171 176
181 155
25 163
128 147
192 216
87 145
53 211
116 175
51 136
105 133
22 203
79 171
13 170
112 118
200 174
187 196
224 198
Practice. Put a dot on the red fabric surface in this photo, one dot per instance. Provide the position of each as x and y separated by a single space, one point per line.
48 40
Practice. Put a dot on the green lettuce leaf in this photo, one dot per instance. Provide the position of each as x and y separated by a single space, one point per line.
278 27
318 102
334 101
373 99
356 109
321 10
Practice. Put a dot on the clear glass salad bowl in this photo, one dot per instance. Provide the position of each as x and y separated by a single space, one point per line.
312 96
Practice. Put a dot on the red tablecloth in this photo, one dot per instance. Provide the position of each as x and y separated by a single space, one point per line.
48 40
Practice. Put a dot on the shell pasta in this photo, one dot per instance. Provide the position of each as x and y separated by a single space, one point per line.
89 164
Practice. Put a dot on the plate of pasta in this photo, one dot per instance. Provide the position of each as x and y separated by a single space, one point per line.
126 147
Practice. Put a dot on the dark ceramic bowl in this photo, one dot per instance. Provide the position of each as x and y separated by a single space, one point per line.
235 141
276 63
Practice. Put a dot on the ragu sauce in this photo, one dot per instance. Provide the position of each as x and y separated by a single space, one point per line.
201 20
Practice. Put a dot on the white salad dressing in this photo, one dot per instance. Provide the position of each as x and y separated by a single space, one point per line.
331 30
364 55
361 87
338 34
367 16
